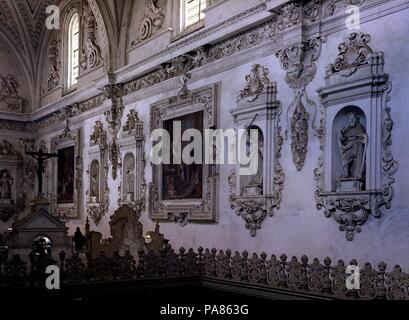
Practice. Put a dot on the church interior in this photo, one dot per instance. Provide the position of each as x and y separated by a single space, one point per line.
250 150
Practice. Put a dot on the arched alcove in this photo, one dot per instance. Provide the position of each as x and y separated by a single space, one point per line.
128 177
349 146
94 181
253 184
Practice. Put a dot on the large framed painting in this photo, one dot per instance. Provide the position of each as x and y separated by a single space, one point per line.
67 171
66 175
183 181
184 192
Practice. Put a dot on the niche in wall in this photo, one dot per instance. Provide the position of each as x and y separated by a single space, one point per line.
133 186
256 193
349 148
355 170
97 172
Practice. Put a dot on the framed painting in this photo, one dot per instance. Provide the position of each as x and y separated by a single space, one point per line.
185 192
67 171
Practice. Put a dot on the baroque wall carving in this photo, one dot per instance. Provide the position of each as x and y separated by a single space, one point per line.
352 198
133 186
9 96
153 20
54 62
98 189
12 193
113 117
333 7
299 62
203 103
254 197
91 52
282 20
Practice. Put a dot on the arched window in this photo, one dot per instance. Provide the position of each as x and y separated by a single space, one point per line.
73 50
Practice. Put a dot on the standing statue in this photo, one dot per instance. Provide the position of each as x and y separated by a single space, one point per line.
95 179
11 86
5 185
130 180
257 179
353 143
253 184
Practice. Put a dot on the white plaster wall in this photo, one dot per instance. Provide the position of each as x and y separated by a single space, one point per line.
297 228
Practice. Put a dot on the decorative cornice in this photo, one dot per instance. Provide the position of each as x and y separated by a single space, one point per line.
284 18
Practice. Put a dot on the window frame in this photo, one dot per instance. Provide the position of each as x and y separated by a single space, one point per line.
184 13
184 29
69 85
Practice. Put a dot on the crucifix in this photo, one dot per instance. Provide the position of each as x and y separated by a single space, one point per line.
40 156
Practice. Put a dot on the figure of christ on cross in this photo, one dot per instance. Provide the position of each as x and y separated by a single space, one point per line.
41 157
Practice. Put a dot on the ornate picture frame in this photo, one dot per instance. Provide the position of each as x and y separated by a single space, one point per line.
183 211
71 210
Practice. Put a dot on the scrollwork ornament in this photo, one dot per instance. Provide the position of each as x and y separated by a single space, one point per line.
256 83
353 52
91 51
351 211
153 20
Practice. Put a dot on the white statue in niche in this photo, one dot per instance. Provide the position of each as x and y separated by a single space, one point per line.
5 185
94 176
254 186
129 178
353 143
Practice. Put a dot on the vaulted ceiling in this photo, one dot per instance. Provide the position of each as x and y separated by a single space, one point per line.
23 31
23 23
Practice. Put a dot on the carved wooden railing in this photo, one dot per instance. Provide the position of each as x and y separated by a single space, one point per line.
280 273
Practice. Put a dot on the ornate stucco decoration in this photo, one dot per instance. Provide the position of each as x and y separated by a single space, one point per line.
353 52
312 11
333 7
299 62
256 83
7 151
153 20
54 62
68 138
181 65
271 30
91 52
205 101
9 97
97 172
114 156
255 197
355 133
98 136
133 186
289 16
113 116
12 193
